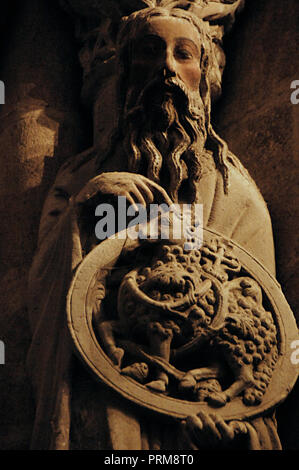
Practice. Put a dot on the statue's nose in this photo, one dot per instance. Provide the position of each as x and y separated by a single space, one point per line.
167 72
167 66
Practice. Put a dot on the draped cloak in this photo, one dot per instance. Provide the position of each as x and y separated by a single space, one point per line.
72 410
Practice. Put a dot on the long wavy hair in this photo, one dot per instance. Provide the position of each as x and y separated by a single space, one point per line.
130 30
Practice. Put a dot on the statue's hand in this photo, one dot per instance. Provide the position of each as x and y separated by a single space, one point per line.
137 189
209 430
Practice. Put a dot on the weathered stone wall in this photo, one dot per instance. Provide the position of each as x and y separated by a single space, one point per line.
41 124
39 128
261 125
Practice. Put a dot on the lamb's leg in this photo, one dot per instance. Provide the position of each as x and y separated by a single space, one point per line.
244 379
160 340
106 331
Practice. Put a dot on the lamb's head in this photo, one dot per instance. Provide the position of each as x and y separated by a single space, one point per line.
171 287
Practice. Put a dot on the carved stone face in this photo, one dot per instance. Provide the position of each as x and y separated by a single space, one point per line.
167 47
164 116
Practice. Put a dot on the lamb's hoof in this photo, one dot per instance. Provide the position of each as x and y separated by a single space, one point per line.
117 355
217 399
187 383
137 371
157 386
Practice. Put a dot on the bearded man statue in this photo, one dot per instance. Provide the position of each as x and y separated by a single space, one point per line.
164 150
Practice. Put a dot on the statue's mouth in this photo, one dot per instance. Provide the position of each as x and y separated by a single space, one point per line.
158 90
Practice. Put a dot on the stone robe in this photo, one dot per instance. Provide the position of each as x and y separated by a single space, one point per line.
72 410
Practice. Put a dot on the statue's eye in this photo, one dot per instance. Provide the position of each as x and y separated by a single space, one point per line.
149 48
183 53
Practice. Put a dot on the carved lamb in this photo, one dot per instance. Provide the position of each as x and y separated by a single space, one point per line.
187 302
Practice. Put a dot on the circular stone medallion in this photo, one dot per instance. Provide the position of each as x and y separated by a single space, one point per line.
243 279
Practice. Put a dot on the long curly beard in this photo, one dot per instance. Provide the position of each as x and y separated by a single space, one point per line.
164 136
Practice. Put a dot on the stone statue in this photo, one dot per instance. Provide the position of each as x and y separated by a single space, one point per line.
172 305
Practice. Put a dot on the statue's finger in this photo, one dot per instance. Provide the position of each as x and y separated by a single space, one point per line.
146 191
138 195
162 192
131 201
194 426
210 428
238 427
227 432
